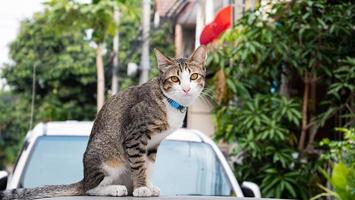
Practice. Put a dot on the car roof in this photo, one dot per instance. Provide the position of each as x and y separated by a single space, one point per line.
83 128
70 128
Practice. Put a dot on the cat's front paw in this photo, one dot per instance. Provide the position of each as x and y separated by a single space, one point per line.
155 190
109 190
117 190
143 191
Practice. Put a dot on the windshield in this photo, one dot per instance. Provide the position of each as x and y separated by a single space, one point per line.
189 168
182 168
54 160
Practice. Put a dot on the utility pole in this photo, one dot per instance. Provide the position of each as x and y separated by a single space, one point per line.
116 42
145 65
205 14
200 20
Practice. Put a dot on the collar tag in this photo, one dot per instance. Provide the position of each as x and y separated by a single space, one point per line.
183 109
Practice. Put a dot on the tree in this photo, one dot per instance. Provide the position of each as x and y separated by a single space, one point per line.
96 16
285 77
65 81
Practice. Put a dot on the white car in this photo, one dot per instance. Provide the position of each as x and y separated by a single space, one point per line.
188 162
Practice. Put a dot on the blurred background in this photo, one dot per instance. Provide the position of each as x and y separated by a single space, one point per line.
280 96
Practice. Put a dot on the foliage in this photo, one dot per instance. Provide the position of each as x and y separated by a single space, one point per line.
97 16
340 151
65 81
273 69
261 128
12 126
342 180
341 93
343 170
64 69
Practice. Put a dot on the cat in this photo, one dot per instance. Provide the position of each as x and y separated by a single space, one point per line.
128 130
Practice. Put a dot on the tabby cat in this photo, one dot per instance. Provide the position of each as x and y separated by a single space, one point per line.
128 130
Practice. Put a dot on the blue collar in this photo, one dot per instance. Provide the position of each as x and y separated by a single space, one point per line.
175 104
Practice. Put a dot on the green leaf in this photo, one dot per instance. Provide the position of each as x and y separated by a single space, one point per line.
290 189
231 85
339 180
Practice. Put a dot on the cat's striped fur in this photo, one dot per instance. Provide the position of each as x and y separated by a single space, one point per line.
128 130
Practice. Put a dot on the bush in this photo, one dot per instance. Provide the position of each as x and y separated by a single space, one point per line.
283 77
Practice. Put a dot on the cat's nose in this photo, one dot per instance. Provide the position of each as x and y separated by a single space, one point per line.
186 90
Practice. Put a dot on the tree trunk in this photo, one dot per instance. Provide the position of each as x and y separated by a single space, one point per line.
304 112
313 129
100 78
284 89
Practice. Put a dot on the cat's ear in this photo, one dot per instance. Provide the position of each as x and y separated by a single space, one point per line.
163 61
199 55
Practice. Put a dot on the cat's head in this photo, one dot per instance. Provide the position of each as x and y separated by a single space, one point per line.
183 79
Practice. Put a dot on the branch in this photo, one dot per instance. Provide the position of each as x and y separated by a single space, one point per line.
304 111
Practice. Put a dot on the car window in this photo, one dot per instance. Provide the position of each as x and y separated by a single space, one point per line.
182 168
55 160
189 168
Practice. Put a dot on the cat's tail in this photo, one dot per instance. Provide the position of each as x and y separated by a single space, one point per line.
75 189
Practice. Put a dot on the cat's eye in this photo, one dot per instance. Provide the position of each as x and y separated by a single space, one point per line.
194 76
174 79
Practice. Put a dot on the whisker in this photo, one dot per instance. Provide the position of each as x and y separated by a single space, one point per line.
206 101
207 95
210 92
210 97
